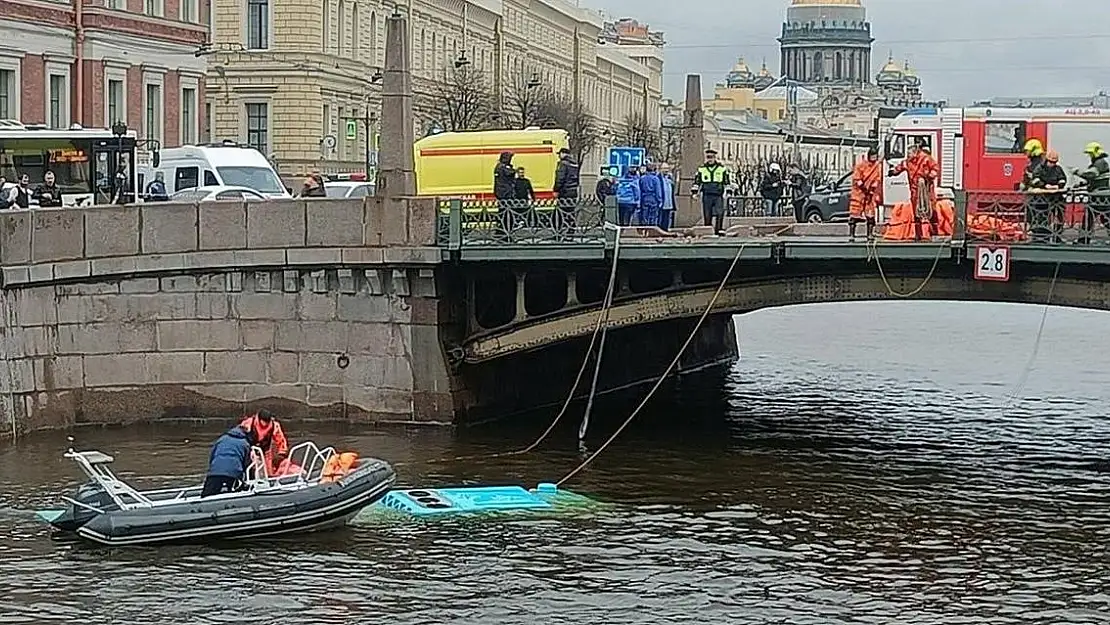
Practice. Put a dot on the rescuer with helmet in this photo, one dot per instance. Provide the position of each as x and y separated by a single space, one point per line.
1097 177
922 172
1046 200
1031 179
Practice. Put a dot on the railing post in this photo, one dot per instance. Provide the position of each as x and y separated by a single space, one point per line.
454 225
960 227
609 221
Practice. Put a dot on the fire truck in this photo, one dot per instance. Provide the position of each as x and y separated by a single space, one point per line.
980 149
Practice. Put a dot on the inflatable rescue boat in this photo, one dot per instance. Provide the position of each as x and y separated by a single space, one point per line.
327 489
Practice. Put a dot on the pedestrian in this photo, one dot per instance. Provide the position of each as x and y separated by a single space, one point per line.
1097 177
525 196
867 189
710 182
770 188
47 194
666 214
628 197
566 189
651 196
314 186
604 187
20 195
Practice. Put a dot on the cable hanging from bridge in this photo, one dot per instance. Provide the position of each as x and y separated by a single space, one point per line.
598 331
1012 399
873 254
666 373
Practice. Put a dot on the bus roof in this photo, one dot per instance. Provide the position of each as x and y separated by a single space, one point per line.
12 129
915 116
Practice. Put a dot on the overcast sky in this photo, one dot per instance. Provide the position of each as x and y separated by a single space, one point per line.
963 50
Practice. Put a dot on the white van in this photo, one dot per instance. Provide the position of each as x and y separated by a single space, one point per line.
220 164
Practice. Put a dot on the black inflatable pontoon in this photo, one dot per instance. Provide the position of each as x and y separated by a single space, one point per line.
108 511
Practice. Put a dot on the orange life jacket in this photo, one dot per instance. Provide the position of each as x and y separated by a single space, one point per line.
338 466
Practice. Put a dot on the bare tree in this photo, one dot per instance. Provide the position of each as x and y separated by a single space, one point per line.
637 132
462 101
572 116
525 102
670 144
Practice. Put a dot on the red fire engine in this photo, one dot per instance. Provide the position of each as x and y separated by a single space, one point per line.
980 149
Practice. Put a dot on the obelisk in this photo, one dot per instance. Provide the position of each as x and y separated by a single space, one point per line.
688 209
396 176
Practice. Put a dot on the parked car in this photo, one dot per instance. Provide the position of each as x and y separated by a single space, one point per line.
826 203
217 193
346 189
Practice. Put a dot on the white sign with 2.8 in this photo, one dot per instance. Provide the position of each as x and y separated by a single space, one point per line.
992 263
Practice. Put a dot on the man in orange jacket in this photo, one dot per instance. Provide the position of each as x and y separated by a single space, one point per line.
269 437
922 172
867 190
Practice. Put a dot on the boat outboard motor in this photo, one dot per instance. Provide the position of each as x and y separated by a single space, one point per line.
91 494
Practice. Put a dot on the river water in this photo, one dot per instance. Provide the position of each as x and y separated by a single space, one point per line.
863 463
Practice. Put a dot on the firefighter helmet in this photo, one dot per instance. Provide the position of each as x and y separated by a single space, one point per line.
1033 147
1093 148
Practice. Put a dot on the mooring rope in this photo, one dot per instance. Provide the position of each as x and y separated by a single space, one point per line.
1012 400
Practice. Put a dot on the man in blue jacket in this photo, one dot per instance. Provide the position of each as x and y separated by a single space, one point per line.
628 197
666 214
228 462
651 196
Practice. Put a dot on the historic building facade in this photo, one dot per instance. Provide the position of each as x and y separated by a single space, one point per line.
72 62
303 85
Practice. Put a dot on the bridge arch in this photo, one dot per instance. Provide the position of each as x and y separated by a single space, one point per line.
746 295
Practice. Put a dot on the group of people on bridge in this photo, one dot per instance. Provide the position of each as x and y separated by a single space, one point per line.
930 211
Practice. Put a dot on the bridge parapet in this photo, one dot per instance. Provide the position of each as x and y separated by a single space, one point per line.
41 246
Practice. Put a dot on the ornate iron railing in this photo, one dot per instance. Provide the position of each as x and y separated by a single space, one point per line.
1071 217
467 223
756 206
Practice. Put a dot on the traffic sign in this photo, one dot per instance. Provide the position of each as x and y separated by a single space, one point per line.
625 157
992 263
352 129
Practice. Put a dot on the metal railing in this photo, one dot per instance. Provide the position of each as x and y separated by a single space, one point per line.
756 206
467 223
1066 217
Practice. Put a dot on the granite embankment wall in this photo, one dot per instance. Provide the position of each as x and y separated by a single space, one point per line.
320 308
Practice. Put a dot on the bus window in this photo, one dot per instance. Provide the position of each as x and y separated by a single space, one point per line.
185 178
210 179
1005 137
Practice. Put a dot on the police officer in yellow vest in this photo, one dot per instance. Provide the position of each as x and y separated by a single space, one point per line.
710 182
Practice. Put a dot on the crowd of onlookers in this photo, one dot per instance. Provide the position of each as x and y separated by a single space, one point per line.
19 193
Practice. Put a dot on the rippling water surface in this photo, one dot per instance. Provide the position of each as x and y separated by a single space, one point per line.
863 463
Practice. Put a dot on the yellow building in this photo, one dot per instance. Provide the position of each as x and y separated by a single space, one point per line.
303 85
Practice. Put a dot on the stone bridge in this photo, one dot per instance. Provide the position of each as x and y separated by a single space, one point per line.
358 310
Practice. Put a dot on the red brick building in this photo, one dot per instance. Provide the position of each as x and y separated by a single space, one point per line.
94 62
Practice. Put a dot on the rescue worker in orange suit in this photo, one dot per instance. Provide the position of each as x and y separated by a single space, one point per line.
269 437
867 188
922 172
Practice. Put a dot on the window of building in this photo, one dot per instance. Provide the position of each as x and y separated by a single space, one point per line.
340 29
356 52
258 24
325 19
208 122
258 127
189 11
153 7
119 5
188 115
153 108
115 93
1005 138
9 95
59 101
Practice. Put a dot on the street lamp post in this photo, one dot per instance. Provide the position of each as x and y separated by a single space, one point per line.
119 129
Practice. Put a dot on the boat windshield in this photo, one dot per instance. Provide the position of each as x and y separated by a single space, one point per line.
261 179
